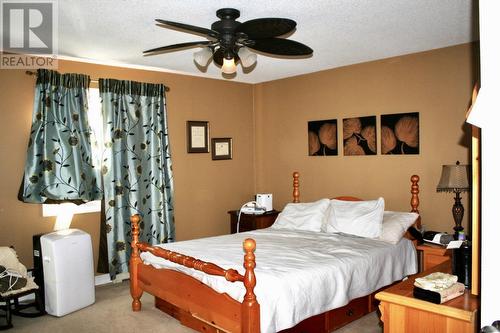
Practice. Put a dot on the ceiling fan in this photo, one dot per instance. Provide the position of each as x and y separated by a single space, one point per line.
229 40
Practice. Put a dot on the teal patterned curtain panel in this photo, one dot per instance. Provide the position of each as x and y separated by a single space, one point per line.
136 168
59 165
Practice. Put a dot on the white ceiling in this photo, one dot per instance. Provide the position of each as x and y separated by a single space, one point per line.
341 32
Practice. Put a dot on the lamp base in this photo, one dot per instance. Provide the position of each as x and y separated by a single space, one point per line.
458 213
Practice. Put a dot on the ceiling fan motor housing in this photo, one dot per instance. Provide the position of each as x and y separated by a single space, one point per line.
226 27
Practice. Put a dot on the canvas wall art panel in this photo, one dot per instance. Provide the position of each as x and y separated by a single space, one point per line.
400 133
360 136
322 136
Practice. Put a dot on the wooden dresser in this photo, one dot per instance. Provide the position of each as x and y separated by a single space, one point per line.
402 313
250 222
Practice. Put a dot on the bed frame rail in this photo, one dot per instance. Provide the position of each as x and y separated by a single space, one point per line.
250 308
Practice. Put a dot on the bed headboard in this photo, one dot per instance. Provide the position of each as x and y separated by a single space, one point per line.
414 190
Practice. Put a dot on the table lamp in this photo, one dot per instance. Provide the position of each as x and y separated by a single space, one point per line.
454 178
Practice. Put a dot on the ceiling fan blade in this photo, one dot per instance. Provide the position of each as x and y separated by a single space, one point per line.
218 57
280 46
173 47
266 27
192 28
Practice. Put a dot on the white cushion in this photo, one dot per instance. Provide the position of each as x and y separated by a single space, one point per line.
308 216
395 224
360 218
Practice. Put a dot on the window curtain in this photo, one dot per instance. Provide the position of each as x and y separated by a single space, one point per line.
59 164
136 168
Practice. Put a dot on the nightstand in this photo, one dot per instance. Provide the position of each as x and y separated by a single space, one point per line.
432 255
403 313
252 221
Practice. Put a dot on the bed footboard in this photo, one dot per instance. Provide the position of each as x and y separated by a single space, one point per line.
250 308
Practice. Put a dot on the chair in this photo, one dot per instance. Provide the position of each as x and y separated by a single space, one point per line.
14 284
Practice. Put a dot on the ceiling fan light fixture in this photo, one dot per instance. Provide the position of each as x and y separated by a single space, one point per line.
228 41
228 66
247 58
203 56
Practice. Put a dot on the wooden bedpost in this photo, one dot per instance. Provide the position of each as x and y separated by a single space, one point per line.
296 187
135 260
414 197
250 309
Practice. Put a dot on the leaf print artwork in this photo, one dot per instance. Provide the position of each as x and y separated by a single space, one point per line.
322 137
360 136
400 133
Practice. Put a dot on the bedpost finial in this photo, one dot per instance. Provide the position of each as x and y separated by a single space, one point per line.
250 321
135 219
295 192
415 201
249 245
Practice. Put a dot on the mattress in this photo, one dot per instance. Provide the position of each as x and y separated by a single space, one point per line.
299 273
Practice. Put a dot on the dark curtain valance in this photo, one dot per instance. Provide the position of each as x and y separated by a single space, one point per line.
131 88
69 80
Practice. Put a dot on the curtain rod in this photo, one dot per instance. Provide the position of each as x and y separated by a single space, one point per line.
91 79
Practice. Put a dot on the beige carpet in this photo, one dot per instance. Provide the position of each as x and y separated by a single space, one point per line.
112 313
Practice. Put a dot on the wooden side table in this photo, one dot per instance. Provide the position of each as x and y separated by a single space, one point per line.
250 222
402 313
432 255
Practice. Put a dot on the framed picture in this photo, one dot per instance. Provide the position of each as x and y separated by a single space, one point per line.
322 137
197 136
222 148
360 136
400 133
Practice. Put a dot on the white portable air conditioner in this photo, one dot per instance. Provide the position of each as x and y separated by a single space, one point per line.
68 271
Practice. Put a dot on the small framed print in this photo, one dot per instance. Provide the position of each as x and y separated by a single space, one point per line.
222 148
197 136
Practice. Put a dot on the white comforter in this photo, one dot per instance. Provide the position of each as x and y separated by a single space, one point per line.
299 273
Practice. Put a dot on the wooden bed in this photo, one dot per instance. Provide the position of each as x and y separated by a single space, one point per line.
201 308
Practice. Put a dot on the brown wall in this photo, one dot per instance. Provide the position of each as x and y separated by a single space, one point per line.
437 84
204 189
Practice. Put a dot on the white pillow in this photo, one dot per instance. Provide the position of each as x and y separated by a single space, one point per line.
303 216
395 224
360 218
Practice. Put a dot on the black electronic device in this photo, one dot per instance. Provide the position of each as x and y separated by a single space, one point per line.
38 267
415 233
461 263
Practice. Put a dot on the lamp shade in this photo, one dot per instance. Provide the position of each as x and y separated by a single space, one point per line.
247 58
203 56
228 66
454 178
